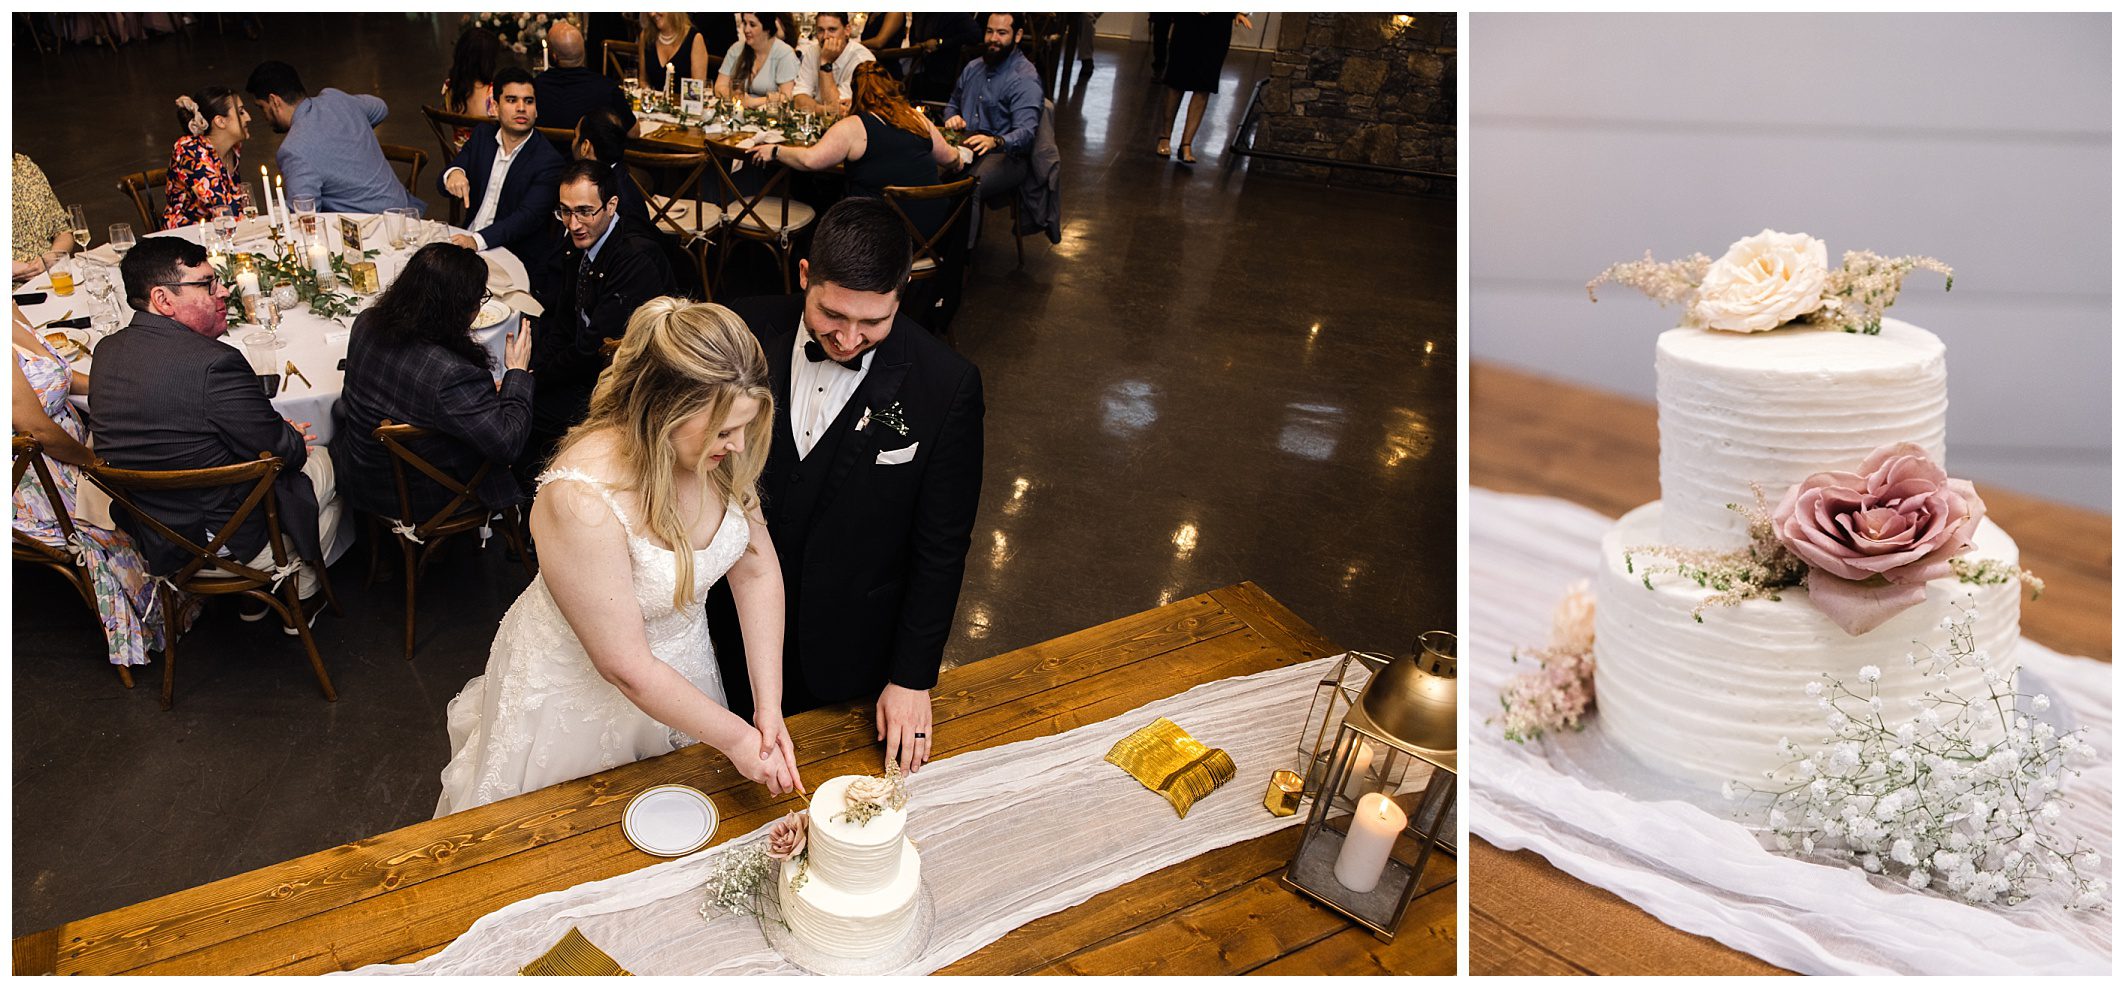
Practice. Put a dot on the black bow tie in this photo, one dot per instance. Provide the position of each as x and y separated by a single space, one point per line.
816 353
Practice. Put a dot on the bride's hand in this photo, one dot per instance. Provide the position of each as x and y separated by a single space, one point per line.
773 772
775 743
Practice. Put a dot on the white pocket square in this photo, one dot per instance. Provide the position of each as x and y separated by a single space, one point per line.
894 457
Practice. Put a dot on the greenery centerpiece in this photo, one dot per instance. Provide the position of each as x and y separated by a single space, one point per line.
281 263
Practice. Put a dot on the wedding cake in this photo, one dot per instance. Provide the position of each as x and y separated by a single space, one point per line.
853 893
1841 427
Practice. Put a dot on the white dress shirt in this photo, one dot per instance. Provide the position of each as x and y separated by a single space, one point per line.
807 80
818 390
490 201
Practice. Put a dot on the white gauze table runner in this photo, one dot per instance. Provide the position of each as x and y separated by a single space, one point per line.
1706 873
1007 834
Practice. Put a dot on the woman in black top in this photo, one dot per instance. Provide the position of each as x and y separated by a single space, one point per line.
671 37
412 359
882 141
1200 42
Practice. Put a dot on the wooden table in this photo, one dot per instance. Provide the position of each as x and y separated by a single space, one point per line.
404 895
1532 435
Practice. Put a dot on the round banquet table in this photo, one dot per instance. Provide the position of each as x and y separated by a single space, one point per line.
315 345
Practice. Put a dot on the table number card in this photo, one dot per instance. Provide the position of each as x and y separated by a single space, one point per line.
350 235
693 97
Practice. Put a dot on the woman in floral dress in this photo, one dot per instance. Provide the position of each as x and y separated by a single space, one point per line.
206 164
125 593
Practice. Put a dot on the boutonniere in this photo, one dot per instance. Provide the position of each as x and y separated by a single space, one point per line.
891 417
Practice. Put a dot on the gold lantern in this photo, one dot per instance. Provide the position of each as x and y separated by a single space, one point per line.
1371 832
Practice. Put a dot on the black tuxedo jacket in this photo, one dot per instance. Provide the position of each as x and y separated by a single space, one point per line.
165 398
523 221
873 554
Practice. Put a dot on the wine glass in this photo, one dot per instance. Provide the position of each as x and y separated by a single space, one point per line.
121 237
77 220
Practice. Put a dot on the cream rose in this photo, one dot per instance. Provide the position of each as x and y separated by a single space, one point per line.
1763 282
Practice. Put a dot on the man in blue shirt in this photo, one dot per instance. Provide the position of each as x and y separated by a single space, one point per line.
997 102
331 151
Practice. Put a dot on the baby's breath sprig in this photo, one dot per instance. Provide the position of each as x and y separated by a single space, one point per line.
1961 799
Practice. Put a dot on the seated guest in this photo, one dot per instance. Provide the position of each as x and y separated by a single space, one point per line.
169 395
412 360
883 141
125 592
331 151
826 65
600 137
669 39
206 164
761 68
505 176
469 89
945 39
570 88
997 103
42 232
611 266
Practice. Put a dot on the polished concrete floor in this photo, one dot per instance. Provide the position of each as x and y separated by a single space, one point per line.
1217 376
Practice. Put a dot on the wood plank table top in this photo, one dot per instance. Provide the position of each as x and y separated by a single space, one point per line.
406 894
1533 435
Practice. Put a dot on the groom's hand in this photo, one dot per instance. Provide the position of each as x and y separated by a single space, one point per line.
776 746
903 724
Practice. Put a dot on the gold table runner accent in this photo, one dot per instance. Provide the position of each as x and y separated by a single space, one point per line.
575 956
1171 763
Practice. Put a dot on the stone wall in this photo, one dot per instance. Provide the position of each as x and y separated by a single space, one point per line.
1376 88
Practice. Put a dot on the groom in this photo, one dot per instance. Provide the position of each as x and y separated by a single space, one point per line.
870 485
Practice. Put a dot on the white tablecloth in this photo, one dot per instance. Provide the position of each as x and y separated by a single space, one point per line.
1702 871
1007 834
314 344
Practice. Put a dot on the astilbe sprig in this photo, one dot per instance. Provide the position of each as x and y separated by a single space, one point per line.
1758 570
1665 282
1961 799
1556 695
1867 284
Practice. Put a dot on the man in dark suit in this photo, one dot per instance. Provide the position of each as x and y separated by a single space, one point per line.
570 88
610 267
167 394
506 176
870 485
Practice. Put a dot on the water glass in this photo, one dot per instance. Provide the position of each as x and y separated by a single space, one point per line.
121 237
305 209
394 225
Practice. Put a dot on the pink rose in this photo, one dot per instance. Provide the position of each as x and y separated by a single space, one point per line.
787 838
1899 518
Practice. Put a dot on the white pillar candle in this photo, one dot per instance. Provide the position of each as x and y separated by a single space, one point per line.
1360 768
321 262
247 282
280 192
1370 842
545 57
265 188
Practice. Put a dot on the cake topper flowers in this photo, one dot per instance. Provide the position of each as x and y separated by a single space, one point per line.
1773 279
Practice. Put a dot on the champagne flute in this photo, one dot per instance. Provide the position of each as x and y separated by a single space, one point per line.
77 218
250 201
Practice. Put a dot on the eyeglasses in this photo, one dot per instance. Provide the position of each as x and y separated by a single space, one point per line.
206 283
584 213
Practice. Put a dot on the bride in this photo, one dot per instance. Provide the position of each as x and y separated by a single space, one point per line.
605 659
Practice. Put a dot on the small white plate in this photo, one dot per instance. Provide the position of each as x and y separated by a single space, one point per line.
491 314
670 820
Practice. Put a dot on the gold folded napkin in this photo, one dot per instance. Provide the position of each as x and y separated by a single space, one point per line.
575 956
1172 764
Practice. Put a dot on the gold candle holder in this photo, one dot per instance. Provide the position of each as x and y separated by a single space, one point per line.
1285 789
363 274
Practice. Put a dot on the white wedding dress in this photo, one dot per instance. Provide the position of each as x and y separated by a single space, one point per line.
541 714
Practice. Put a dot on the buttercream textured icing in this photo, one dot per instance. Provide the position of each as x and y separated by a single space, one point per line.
1772 408
858 895
1707 701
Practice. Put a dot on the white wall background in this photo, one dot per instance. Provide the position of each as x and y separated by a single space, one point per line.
1980 140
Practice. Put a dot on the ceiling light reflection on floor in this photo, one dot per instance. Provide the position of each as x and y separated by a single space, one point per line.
1128 407
1311 431
1185 538
1408 437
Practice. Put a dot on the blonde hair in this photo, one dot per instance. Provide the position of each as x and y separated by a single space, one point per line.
677 360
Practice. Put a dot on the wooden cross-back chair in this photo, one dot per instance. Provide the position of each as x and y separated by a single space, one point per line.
682 214
205 571
463 513
563 139
623 59
415 160
141 189
762 217
29 459
444 125
928 258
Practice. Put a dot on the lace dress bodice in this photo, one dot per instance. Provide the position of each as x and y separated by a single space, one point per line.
542 714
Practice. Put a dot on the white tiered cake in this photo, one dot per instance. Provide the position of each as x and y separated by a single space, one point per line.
1708 700
858 894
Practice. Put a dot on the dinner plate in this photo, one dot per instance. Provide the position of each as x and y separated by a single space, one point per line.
670 820
491 313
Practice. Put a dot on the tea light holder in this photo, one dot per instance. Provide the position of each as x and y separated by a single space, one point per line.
363 275
1369 835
